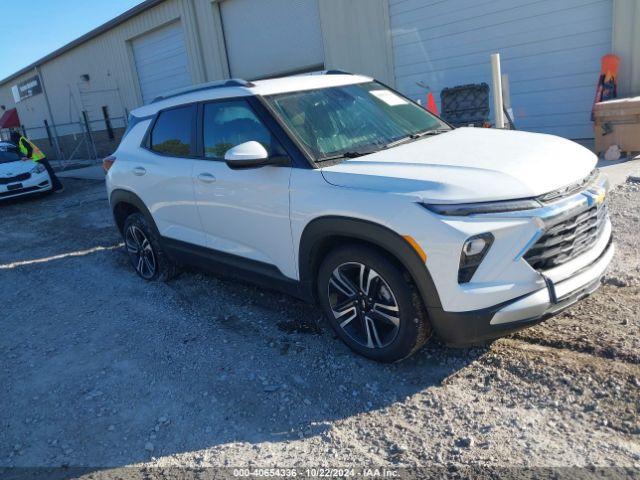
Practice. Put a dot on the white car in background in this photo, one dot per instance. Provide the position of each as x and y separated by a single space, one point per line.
20 177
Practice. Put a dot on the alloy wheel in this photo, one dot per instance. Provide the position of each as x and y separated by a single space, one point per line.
363 305
140 252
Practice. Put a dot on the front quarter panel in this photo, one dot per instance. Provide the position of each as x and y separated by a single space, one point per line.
502 276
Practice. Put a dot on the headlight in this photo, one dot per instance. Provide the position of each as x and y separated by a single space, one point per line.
460 209
473 252
39 168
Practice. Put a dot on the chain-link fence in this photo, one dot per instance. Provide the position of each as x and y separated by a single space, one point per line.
92 133
82 140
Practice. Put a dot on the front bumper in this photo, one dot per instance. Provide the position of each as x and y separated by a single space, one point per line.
38 183
476 326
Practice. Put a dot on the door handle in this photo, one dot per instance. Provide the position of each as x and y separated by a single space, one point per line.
139 171
206 178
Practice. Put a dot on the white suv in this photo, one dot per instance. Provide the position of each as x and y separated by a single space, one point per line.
339 190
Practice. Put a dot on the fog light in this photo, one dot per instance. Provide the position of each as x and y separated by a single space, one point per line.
474 246
473 252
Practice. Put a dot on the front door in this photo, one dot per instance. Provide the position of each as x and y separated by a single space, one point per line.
245 212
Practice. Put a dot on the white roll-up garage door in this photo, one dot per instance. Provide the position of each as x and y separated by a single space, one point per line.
550 49
161 61
268 38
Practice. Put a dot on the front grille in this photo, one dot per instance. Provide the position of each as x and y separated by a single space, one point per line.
568 239
18 178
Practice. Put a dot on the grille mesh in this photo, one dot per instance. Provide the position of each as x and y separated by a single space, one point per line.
568 239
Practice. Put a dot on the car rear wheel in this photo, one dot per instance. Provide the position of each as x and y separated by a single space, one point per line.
144 250
372 304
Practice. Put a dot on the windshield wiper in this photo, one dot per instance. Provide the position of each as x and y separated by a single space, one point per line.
415 136
349 154
360 153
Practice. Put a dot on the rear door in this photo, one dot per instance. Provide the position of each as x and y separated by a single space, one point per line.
243 212
163 174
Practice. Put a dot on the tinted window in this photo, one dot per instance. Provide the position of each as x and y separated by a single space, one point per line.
172 133
227 124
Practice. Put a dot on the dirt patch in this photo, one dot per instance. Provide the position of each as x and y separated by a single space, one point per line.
102 369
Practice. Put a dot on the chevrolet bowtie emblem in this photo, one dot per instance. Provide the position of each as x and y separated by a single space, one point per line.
595 196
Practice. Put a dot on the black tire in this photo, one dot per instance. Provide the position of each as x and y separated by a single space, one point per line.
390 323
153 264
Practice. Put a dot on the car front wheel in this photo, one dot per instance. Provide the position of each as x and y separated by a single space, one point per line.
372 304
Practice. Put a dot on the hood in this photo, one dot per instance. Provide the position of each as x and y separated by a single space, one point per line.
469 165
12 169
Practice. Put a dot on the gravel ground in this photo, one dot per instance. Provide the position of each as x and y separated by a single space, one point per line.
101 369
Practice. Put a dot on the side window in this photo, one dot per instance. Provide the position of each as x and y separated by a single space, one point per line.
227 124
172 132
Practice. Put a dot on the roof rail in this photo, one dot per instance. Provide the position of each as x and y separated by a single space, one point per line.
234 82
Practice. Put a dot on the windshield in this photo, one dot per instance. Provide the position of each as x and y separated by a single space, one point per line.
352 119
8 154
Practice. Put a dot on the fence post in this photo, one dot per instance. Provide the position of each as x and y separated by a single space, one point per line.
107 122
46 126
85 117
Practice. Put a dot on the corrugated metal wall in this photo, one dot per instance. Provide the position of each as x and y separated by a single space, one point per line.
355 36
550 49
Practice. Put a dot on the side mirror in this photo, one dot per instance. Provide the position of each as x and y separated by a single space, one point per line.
247 155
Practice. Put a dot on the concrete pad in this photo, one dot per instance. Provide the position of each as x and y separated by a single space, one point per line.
94 172
619 170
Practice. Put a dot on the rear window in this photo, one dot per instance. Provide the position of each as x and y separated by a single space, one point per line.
172 133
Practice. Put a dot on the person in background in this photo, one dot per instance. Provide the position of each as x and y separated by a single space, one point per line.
31 152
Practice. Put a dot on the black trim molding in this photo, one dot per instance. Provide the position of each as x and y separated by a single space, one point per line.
322 229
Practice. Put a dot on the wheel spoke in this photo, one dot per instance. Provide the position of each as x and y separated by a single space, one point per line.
140 266
372 333
367 275
132 247
146 246
385 317
389 308
149 266
341 307
136 237
349 313
343 284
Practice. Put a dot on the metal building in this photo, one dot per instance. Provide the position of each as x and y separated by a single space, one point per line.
74 102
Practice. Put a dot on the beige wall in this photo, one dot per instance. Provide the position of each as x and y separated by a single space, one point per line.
108 60
626 44
357 38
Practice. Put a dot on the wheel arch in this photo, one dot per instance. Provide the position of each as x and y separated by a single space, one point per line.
124 203
325 233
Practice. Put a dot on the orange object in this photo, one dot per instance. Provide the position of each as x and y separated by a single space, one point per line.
610 64
421 253
431 104
607 87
